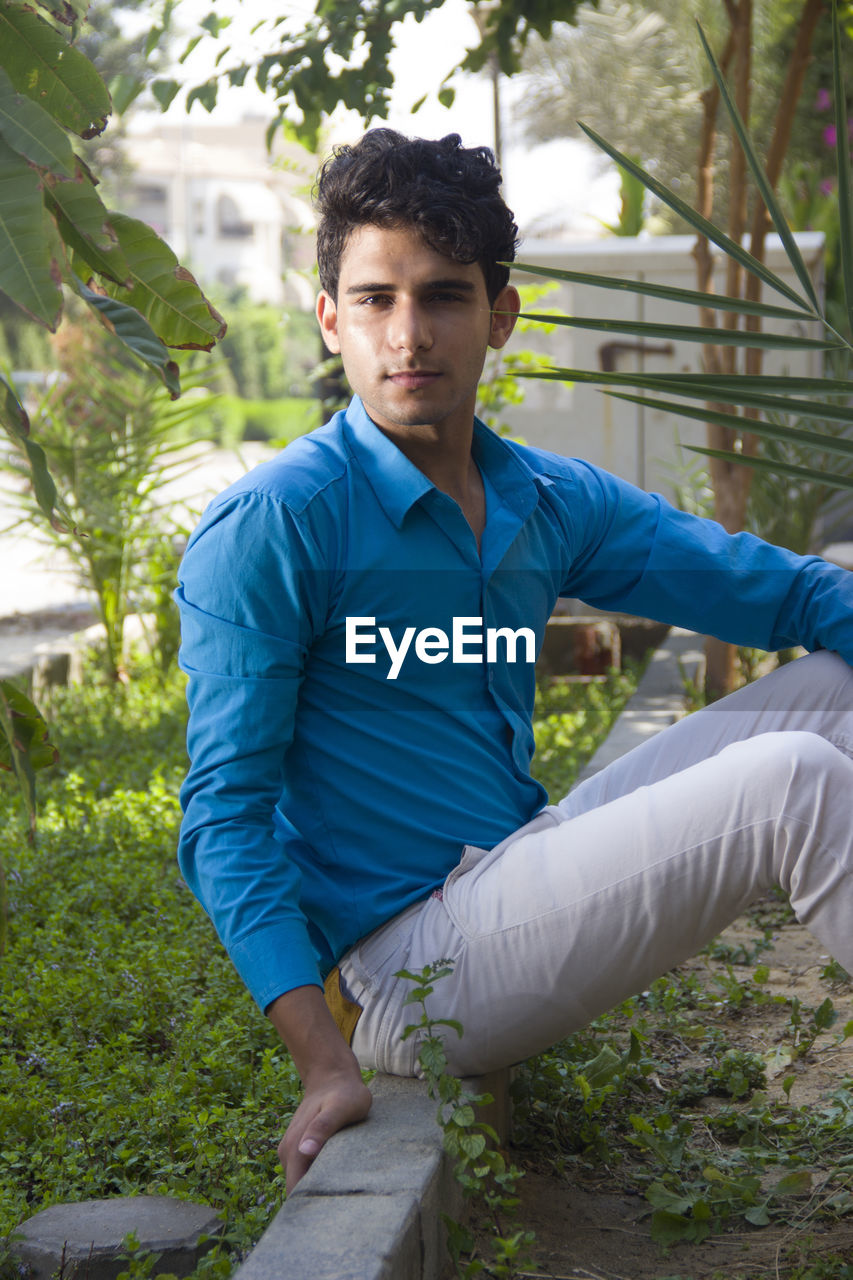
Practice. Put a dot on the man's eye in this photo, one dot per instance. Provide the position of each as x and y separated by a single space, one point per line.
375 299
447 296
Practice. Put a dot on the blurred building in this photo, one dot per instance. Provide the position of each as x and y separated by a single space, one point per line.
234 214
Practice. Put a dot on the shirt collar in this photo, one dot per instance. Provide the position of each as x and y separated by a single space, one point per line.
398 484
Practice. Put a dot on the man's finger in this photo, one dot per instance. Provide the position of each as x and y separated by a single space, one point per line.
294 1163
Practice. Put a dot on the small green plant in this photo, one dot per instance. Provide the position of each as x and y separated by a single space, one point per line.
109 431
807 1025
708 1146
140 1262
571 720
481 1169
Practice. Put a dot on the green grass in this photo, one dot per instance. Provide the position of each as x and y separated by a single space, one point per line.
571 719
131 1058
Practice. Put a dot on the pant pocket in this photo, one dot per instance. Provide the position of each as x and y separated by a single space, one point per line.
472 856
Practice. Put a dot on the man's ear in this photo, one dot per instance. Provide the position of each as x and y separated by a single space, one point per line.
327 318
505 309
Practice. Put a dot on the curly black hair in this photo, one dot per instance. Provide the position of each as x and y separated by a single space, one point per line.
447 192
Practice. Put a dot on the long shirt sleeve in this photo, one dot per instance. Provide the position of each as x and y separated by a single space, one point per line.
245 658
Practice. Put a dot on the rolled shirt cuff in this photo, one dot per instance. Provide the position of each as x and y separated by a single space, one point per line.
274 960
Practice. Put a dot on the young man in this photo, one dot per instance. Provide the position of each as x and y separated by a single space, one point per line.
360 619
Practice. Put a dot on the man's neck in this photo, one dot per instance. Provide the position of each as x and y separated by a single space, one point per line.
447 461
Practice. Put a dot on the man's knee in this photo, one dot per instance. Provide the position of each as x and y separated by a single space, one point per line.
792 755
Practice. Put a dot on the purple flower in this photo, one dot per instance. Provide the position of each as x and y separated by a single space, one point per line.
823 101
827 186
830 135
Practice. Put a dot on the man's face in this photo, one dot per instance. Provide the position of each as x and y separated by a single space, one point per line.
413 328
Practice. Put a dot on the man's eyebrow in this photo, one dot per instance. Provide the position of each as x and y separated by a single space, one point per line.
459 283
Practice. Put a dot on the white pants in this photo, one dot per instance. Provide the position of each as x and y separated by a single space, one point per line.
634 871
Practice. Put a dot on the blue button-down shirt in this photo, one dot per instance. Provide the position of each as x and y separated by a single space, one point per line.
327 793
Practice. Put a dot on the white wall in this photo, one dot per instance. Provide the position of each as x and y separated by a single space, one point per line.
639 445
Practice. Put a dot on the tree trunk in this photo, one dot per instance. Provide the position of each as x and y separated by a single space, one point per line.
782 127
730 481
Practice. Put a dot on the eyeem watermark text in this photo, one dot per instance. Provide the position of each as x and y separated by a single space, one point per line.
432 645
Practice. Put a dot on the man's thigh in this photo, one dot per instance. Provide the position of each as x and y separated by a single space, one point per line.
633 872
563 923
814 694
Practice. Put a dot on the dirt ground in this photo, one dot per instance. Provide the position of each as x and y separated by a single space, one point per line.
589 1229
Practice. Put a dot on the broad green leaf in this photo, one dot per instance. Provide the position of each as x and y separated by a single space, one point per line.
662 1198
206 94
165 92
19 763
28 273
67 11
29 130
700 224
601 1069
43 65
825 1015
689 297
135 332
24 744
163 291
124 90
83 223
757 1215
472 1145
671 1228
827 478
432 1058
14 418
761 179
214 23
42 481
796 1183
13 415
842 151
690 333
773 430
237 75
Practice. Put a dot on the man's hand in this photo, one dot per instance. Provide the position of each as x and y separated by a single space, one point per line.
335 1094
324 1110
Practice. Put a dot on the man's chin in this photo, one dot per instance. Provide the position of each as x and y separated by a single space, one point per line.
406 415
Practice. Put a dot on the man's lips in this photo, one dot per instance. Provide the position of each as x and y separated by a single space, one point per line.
414 379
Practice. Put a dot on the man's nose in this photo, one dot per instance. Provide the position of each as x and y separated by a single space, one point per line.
411 329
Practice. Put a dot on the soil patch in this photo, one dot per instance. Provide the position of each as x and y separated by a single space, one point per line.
591 1224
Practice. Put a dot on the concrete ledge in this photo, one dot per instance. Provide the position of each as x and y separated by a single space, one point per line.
371 1205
